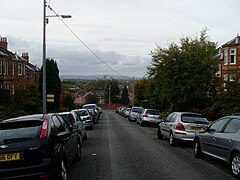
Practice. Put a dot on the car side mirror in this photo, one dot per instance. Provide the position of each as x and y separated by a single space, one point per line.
74 127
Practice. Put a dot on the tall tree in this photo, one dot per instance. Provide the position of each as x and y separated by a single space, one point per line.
183 73
125 96
53 83
68 101
112 85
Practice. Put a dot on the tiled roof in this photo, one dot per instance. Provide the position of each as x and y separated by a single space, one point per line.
235 41
9 55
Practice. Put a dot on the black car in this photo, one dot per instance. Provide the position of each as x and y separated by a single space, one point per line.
37 147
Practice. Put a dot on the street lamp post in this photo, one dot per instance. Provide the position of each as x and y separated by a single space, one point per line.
44 82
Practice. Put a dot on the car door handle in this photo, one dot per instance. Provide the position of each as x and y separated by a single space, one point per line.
230 140
214 138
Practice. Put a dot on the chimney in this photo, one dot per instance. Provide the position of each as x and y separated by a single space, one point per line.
3 42
25 56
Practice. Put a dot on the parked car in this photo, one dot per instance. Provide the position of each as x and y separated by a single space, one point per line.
85 116
181 126
134 113
95 108
126 112
72 118
149 117
37 147
94 115
221 140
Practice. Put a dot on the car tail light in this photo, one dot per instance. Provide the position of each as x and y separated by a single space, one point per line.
43 133
180 127
89 118
160 117
44 177
145 115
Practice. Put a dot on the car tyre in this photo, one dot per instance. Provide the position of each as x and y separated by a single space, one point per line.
159 134
197 149
79 151
142 124
235 165
172 140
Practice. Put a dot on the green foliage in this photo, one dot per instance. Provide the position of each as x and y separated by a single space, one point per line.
230 99
68 102
53 84
114 92
181 75
125 97
4 96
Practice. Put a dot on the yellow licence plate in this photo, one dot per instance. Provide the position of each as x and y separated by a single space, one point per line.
197 128
9 157
152 121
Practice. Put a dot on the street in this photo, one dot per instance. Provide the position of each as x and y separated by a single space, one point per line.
119 149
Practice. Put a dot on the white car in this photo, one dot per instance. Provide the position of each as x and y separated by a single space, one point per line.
149 117
134 113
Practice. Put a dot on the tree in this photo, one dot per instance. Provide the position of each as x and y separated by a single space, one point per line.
53 83
68 101
182 74
125 97
114 91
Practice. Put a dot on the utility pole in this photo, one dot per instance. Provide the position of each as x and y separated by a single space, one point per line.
133 91
109 97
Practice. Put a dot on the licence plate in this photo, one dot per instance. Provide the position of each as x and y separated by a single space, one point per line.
152 121
196 128
9 157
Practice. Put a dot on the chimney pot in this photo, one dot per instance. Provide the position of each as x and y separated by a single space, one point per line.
3 42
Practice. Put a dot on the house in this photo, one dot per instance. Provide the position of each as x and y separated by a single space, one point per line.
15 71
229 67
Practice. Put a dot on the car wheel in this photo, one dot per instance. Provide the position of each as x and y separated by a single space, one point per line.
142 124
62 171
197 149
172 140
91 127
235 165
79 152
159 134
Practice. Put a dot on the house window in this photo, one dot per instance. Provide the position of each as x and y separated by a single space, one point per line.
218 73
225 56
232 77
5 67
28 76
225 77
1 67
20 69
13 89
232 56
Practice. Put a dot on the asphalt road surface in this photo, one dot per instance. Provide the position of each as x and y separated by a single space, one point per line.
118 149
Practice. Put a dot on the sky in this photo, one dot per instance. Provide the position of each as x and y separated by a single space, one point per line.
122 33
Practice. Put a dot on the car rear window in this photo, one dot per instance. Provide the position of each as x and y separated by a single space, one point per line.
18 131
138 110
192 118
152 112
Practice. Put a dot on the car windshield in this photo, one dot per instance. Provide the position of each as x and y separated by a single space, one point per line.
191 118
89 107
68 118
152 112
18 131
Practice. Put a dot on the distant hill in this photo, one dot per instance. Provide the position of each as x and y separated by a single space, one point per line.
94 77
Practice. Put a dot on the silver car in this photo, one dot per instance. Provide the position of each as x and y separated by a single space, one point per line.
181 126
221 140
85 116
134 113
149 116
